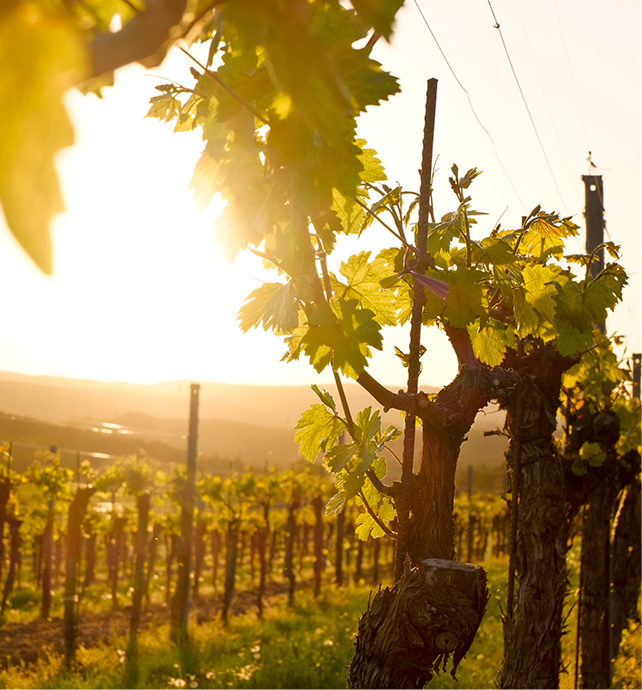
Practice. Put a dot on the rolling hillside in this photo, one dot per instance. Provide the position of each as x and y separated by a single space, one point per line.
239 426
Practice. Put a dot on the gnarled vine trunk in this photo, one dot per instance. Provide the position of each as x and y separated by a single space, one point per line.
77 510
533 627
231 551
319 556
626 563
15 542
389 650
409 632
594 585
47 562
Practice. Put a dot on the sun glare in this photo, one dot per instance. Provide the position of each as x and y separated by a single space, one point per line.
140 291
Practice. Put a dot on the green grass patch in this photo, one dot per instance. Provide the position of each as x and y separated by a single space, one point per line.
309 646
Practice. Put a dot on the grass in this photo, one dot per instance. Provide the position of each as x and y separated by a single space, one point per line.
309 646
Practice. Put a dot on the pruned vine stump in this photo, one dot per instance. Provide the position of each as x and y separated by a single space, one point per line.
409 632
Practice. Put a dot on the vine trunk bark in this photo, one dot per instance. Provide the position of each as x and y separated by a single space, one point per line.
231 551
379 661
76 514
626 563
15 542
595 584
47 562
533 629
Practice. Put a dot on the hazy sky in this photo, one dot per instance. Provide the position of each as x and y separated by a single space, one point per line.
140 292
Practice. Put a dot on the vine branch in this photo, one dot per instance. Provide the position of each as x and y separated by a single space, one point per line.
386 398
141 38
378 484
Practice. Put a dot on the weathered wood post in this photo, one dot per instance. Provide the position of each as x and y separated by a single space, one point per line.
180 601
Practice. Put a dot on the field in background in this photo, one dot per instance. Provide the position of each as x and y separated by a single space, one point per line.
240 426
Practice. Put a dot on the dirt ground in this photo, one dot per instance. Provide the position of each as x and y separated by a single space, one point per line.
24 642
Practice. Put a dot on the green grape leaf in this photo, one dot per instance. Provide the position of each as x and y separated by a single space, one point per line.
545 235
380 14
615 277
592 453
164 107
464 302
337 458
390 434
367 82
203 180
405 357
540 289
317 430
325 397
526 318
41 56
373 170
273 305
367 425
352 484
597 299
366 526
336 503
571 339
441 235
574 320
363 283
494 250
349 213
343 335
490 341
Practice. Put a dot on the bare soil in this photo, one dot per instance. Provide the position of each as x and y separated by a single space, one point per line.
26 642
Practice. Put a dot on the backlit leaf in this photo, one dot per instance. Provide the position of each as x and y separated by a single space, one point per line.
273 305
337 458
317 430
464 300
344 336
363 283
325 397
41 56
380 14
368 423
540 289
490 341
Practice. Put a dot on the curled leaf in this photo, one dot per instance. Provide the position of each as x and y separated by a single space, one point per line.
436 286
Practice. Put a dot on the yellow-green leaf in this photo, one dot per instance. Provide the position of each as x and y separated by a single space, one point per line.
40 58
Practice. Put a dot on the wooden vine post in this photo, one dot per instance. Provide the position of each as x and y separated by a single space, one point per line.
180 601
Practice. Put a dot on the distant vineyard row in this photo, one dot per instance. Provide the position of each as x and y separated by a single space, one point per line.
250 531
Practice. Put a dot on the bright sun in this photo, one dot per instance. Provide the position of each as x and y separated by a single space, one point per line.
140 290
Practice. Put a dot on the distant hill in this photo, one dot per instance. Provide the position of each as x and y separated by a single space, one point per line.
239 424
61 400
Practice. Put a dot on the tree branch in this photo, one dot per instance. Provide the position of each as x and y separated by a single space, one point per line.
344 401
460 340
378 484
387 399
141 38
